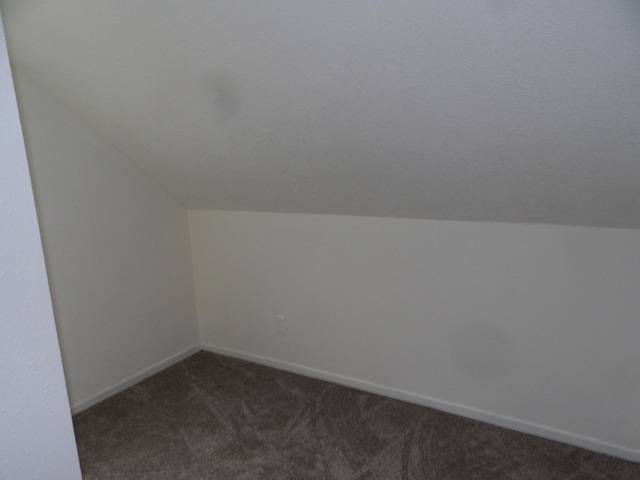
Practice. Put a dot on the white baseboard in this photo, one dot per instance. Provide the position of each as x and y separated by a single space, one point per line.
454 408
132 380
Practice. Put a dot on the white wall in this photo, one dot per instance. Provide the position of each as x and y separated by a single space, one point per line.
36 435
117 251
530 326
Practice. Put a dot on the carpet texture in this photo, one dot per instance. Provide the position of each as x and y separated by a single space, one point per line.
213 417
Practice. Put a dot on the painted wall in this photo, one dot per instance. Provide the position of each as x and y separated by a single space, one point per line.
36 435
117 251
534 327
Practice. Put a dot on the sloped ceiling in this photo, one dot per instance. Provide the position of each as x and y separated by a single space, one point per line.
489 110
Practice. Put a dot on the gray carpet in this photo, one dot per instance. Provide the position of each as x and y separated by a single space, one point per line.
213 417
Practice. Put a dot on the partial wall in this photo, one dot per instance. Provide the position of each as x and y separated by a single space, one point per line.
36 434
534 327
117 251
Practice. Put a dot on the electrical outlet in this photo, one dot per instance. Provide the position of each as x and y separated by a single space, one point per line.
281 323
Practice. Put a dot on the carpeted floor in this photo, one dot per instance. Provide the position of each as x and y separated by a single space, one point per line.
213 417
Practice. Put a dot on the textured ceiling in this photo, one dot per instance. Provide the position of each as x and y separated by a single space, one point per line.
490 110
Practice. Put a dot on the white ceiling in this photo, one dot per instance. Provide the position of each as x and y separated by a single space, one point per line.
490 110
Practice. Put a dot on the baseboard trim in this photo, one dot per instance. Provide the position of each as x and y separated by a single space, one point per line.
511 423
132 380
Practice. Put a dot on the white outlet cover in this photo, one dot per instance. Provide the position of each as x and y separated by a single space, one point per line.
281 322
